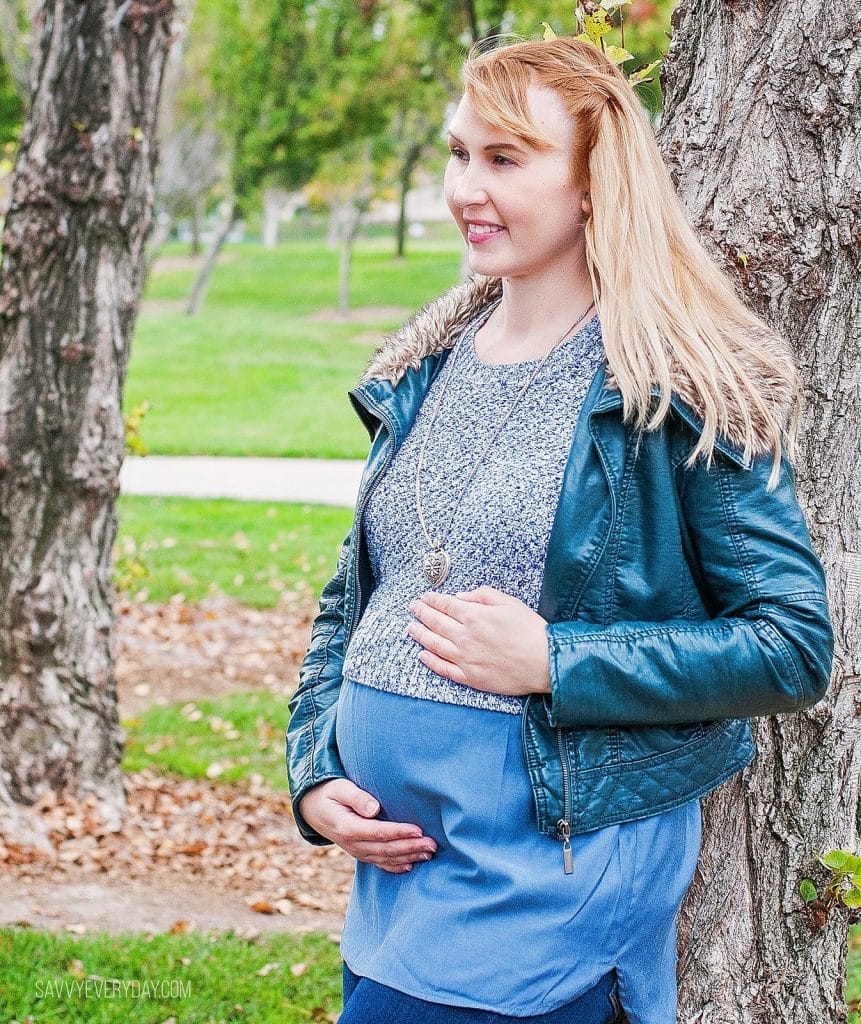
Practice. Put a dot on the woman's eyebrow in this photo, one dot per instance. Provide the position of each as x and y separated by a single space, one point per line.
490 147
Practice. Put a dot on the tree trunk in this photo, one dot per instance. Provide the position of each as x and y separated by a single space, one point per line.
73 264
198 218
351 218
158 239
405 177
201 282
761 131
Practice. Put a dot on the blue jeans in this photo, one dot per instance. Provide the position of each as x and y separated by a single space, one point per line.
367 1002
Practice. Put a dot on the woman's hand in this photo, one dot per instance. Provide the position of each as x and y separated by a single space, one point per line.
483 638
342 812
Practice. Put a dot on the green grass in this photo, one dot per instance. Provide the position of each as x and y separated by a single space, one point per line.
243 733
254 373
254 551
196 979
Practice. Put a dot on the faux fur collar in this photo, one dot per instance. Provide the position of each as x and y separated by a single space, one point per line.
437 326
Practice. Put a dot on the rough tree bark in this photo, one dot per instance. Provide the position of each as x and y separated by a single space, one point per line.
70 282
762 133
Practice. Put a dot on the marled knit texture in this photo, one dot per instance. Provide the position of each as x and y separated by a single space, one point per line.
499 528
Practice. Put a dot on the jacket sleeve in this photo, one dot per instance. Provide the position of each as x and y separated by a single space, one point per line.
767 647
312 753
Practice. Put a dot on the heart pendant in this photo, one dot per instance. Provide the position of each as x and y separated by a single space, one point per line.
436 565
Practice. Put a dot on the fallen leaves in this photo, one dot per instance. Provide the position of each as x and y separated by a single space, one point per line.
182 651
241 838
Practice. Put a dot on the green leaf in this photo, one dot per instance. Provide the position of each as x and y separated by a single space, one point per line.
808 890
852 897
549 34
841 862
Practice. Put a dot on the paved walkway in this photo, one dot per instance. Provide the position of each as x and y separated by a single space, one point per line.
317 481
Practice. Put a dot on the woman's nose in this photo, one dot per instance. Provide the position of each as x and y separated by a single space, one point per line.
470 188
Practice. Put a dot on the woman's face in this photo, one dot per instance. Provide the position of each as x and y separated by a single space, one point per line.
516 207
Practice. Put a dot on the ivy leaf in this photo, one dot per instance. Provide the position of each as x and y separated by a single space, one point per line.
852 897
841 862
617 54
641 75
808 890
549 34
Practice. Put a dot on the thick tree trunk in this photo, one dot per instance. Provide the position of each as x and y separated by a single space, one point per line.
73 263
761 131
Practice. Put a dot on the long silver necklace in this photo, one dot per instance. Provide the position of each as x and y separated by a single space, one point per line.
437 562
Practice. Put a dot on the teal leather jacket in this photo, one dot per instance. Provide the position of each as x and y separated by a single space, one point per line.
679 602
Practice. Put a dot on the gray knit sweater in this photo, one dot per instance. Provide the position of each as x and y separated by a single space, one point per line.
499 528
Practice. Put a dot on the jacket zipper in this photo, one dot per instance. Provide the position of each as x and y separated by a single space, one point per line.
563 826
360 509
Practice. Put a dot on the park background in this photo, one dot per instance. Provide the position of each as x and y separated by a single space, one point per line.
283 249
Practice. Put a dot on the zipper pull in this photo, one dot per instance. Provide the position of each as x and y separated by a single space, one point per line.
567 856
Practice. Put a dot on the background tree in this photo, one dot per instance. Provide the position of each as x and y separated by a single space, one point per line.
762 132
191 158
70 281
295 81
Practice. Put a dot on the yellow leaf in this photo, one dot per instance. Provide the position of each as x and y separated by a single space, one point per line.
584 38
597 25
617 54
549 34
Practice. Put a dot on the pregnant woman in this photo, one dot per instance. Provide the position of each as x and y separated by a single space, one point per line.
577 567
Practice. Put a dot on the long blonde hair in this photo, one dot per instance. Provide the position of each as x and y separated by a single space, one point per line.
667 312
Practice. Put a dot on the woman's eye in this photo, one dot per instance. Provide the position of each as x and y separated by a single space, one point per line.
502 161
458 153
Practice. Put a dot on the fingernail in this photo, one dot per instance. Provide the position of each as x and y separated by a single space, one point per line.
426 856
371 807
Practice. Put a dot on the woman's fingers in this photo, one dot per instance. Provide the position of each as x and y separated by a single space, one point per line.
442 667
344 813
408 850
433 641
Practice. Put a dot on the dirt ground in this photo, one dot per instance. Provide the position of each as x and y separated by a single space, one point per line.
190 854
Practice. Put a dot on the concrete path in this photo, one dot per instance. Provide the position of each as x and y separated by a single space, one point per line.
317 481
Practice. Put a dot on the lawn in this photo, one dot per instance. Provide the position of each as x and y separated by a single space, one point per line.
253 551
143 979
241 733
264 368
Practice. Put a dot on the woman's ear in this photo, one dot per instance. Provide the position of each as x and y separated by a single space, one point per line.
586 204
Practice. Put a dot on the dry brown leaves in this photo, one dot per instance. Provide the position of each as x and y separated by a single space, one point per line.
241 838
181 651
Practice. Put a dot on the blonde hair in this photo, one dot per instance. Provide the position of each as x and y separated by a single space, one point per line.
667 311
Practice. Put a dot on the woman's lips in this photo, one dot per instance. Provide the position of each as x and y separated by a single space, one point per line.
478 233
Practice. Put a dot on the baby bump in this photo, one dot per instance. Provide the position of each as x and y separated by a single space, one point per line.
441 766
